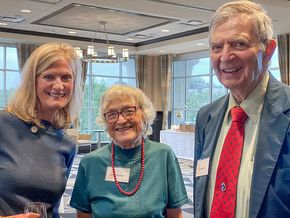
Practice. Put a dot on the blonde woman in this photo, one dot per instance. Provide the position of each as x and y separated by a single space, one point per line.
36 155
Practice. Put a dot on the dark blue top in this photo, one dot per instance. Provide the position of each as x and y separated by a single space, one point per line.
34 164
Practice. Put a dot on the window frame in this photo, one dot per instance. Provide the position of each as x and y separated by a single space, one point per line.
192 56
6 70
186 58
91 107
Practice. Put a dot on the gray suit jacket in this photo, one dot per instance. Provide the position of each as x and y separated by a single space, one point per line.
270 190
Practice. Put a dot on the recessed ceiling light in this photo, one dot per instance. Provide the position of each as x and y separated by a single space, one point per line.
199 44
194 22
12 19
25 11
165 30
72 32
3 24
129 39
141 36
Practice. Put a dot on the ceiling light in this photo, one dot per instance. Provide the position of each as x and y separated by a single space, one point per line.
142 36
93 56
12 19
129 39
165 31
3 24
194 22
72 32
25 11
199 44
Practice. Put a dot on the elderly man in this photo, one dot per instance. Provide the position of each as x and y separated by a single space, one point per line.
242 147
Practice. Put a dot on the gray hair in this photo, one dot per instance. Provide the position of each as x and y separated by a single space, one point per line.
23 103
255 11
122 91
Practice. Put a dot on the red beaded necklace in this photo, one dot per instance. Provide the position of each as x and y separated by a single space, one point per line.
140 175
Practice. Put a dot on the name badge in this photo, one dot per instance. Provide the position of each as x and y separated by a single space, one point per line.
202 167
122 174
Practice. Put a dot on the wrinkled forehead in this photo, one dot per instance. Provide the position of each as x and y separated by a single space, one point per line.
119 102
226 19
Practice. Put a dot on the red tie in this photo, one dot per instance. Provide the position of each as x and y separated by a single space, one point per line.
224 199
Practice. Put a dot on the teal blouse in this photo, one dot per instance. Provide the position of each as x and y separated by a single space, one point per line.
162 185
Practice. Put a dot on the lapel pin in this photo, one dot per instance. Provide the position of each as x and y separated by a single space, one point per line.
223 187
34 129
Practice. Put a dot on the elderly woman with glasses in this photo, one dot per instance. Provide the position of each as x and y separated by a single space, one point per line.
131 176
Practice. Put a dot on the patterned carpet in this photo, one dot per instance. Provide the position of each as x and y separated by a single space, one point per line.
186 166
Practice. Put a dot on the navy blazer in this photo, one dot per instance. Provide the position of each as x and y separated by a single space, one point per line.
270 190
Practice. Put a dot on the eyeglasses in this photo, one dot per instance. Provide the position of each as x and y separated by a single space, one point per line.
127 113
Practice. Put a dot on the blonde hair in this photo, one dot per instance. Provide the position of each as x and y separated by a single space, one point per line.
124 91
255 11
23 103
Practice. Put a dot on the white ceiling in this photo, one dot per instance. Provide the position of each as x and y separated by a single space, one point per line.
142 21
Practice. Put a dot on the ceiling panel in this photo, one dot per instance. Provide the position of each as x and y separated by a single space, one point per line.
88 17
143 25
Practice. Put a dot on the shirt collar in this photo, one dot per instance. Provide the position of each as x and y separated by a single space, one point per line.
253 104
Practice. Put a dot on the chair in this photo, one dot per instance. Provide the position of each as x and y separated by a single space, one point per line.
84 140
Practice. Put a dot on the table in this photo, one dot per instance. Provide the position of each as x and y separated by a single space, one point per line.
83 142
182 143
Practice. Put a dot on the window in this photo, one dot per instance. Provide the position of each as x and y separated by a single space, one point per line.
274 65
194 85
100 76
9 73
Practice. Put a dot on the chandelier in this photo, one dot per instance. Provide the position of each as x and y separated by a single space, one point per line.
110 57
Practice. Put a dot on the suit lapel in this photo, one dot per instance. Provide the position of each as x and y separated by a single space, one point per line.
212 128
210 131
273 126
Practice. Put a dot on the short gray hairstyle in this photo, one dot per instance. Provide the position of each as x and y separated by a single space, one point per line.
23 103
122 91
255 11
